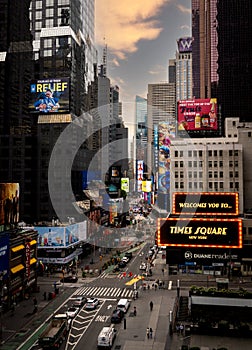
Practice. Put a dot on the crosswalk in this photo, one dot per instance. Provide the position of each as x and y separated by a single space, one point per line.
105 292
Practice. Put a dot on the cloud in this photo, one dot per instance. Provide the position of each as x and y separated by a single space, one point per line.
185 26
184 9
124 23
157 69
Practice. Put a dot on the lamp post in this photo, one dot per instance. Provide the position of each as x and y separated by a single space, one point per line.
178 288
170 323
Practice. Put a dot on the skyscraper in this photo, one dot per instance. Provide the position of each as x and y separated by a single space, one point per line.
234 62
184 69
204 48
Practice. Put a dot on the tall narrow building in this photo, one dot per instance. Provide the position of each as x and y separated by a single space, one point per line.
204 48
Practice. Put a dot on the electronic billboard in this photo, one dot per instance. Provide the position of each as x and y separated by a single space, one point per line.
205 203
49 96
212 233
197 115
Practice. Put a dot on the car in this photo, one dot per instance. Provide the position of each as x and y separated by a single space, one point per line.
72 311
117 316
128 255
91 304
125 259
116 268
121 264
69 279
143 266
79 301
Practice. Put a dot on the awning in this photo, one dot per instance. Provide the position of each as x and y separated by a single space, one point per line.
32 261
17 268
17 248
134 280
33 242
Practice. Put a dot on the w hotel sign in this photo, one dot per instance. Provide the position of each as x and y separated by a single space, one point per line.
185 45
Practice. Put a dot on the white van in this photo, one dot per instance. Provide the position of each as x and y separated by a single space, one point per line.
106 337
123 304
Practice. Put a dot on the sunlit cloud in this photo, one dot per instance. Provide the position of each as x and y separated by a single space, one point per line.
156 70
124 23
185 26
184 9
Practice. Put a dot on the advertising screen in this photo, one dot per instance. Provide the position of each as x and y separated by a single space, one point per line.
9 199
218 233
197 115
49 96
125 184
140 172
210 203
4 256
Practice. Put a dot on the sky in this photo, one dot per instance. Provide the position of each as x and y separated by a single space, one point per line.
141 36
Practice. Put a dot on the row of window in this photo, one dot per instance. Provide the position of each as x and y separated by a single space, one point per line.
211 185
199 164
211 153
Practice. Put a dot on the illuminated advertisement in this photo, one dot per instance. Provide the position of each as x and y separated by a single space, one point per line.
49 96
140 172
4 256
9 200
184 45
155 143
189 256
166 133
125 184
206 203
147 186
212 233
60 236
197 115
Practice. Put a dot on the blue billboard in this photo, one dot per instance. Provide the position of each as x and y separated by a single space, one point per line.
4 255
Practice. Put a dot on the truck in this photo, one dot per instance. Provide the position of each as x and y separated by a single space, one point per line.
54 333
106 337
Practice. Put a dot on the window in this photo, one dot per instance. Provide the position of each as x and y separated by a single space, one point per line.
195 185
215 153
236 173
216 185
216 174
210 153
189 153
230 153
221 164
200 153
195 153
176 185
189 174
236 153
200 164
195 174
237 185
176 154
210 175
215 163
231 185
181 175
230 174
181 185
190 164
176 164
221 174
200 174
190 185
210 185
181 164
176 174
236 163
210 164
181 153
221 153
195 163
221 185
201 185
230 164
249 134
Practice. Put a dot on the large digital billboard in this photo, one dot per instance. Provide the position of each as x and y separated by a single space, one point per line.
205 203
212 233
9 200
61 236
49 96
197 115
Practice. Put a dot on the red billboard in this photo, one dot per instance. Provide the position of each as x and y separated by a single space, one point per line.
197 115
211 233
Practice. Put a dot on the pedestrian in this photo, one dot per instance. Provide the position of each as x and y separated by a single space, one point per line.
181 328
35 303
177 328
151 306
148 332
44 295
151 332
163 271
134 311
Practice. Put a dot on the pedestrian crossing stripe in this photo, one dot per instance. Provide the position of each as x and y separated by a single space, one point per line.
113 292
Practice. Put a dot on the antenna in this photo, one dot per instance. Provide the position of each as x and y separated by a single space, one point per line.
104 58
